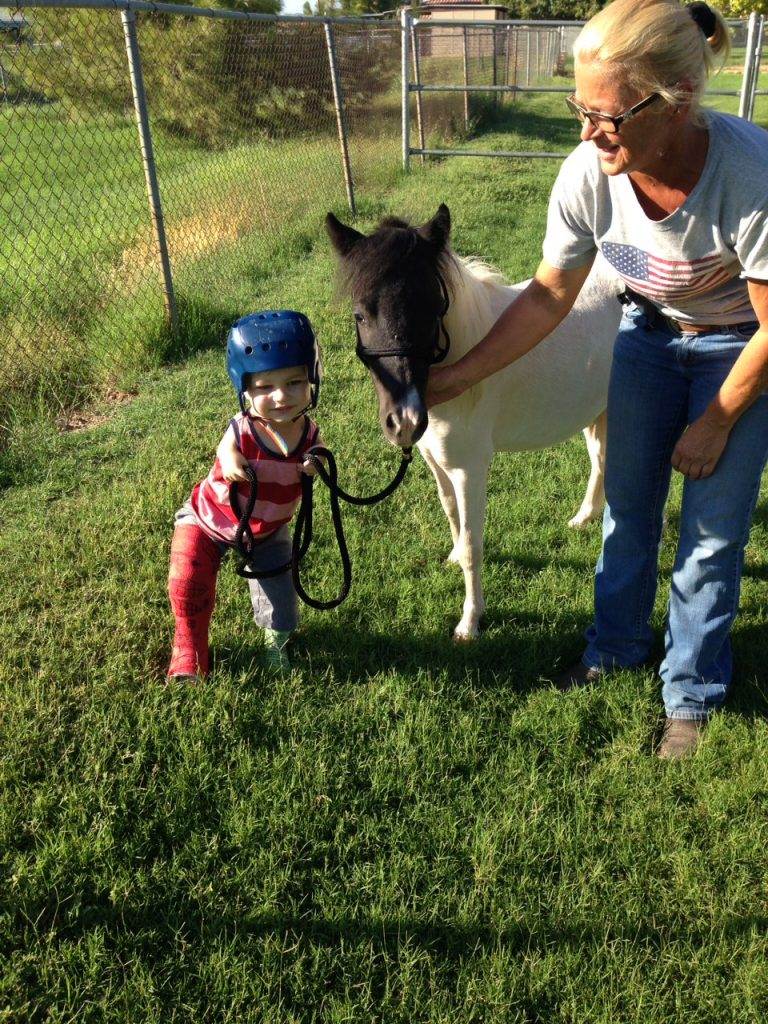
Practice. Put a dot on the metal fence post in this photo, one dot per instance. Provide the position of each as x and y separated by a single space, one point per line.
756 65
506 64
341 121
405 76
148 157
417 80
517 45
746 76
466 78
494 39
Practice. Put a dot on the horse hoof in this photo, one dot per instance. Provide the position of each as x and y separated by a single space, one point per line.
465 636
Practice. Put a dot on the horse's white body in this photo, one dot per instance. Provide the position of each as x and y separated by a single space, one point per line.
555 390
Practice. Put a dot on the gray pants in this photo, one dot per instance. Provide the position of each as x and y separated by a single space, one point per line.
274 600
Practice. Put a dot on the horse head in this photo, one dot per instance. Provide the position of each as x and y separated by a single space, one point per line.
396 280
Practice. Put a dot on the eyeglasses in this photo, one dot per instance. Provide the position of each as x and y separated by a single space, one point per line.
607 122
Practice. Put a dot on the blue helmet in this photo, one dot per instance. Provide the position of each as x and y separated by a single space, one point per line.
272 340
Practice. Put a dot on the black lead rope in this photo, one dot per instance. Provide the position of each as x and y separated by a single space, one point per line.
318 453
302 534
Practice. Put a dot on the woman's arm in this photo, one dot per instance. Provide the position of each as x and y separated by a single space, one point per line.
698 450
525 322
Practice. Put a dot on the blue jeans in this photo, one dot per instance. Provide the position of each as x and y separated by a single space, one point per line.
661 382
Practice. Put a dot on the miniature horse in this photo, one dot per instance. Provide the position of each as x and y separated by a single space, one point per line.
411 294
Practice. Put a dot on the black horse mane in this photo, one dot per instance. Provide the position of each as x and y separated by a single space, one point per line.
389 253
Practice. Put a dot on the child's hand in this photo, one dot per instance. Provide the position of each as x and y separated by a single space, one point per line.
233 466
307 466
232 461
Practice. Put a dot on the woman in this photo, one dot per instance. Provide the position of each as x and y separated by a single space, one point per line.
675 198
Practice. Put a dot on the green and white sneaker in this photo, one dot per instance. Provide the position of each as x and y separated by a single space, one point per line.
275 656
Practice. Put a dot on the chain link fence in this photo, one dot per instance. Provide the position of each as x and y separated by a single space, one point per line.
120 248
248 135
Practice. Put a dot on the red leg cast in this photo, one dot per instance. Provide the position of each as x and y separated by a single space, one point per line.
195 561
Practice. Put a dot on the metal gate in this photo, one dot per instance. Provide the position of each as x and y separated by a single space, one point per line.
507 59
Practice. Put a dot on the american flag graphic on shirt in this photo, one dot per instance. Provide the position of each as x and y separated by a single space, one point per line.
667 281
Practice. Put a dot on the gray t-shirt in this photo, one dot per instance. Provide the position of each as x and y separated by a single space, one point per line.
694 263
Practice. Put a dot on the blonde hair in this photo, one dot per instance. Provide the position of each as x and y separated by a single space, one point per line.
654 46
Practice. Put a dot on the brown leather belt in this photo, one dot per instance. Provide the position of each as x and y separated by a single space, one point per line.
680 328
656 317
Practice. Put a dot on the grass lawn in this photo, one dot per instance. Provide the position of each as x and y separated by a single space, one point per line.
402 830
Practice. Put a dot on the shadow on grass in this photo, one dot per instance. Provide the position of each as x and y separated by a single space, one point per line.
516 119
36 405
749 693
518 653
444 123
202 324
529 565
510 660
451 941
760 517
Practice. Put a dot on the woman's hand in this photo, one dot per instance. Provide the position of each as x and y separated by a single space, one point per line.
528 319
442 385
697 452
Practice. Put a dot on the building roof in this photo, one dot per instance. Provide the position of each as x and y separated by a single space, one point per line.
11 19
460 4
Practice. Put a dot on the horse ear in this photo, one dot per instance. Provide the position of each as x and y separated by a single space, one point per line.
343 238
438 230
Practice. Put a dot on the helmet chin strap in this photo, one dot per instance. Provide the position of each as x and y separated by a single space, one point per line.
311 403
247 407
300 414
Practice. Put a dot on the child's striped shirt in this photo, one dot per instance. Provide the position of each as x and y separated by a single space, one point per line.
278 485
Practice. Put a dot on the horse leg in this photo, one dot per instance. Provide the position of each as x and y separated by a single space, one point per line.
594 499
470 485
447 500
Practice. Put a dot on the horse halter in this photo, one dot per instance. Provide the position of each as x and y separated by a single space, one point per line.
439 351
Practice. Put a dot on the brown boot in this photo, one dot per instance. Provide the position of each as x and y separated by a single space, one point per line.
576 676
680 738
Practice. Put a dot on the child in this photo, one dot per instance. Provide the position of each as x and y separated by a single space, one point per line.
273 363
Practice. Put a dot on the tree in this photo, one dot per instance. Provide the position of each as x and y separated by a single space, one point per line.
742 8
347 8
555 10
253 6
215 81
